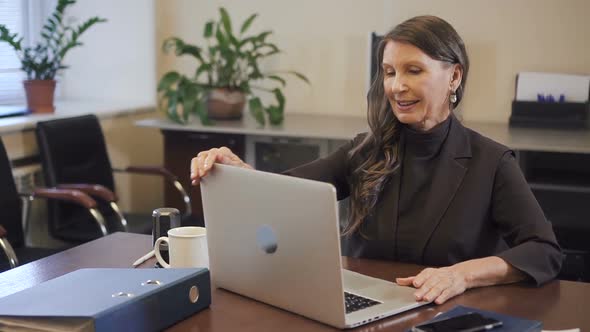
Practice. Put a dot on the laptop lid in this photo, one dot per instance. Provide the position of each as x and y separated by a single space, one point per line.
276 239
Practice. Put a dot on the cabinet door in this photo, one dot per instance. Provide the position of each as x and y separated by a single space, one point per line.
179 148
561 184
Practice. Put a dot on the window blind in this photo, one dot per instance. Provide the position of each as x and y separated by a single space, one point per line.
11 77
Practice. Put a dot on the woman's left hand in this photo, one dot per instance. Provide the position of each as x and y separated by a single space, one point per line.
436 284
440 284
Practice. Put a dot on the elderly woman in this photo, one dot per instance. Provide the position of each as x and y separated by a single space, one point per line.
423 188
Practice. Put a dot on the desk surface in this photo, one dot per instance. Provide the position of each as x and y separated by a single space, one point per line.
559 304
295 125
346 127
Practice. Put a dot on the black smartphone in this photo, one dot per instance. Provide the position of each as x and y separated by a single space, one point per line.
470 322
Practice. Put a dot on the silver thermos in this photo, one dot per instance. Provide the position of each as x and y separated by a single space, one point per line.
163 220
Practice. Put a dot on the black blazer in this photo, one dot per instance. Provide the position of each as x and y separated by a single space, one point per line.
479 205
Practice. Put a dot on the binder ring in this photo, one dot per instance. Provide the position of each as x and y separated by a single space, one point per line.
193 294
151 282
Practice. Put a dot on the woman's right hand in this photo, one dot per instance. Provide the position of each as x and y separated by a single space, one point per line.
204 161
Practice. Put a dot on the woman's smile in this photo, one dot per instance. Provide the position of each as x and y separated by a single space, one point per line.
406 105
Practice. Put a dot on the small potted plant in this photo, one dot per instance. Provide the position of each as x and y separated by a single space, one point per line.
228 73
43 61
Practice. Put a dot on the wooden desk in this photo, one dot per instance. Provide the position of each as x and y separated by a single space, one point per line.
559 304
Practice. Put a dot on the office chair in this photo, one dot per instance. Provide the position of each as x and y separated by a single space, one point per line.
12 233
74 156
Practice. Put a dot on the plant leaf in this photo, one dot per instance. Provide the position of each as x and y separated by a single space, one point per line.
167 80
225 20
247 23
234 41
200 109
280 98
181 48
221 39
73 42
275 115
208 29
204 67
189 99
278 79
257 110
273 47
270 53
276 112
10 39
300 76
247 40
171 108
262 36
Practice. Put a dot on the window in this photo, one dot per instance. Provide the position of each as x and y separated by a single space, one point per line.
25 17
11 87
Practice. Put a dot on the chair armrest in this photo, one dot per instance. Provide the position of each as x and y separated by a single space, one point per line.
173 179
103 193
70 195
151 170
94 190
7 248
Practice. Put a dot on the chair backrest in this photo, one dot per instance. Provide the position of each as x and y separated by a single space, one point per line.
10 204
72 150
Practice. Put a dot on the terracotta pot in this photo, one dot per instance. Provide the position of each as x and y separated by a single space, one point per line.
40 95
225 104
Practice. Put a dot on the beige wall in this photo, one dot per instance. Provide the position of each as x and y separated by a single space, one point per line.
130 145
327 40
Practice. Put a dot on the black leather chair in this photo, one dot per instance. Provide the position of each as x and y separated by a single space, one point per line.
74 156
12 236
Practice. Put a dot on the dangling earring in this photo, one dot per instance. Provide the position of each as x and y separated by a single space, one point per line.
453 98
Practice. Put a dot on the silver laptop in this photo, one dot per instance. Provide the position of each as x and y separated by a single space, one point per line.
276 239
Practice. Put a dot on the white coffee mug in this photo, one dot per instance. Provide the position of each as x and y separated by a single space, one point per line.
187 247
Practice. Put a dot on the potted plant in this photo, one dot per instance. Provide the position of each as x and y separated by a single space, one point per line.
228 73
43 61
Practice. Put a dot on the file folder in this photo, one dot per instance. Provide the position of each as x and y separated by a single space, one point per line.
101 300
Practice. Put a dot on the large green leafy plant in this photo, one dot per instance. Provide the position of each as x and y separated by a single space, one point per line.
230 60
44 60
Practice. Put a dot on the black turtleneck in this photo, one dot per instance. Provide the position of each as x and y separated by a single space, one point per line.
421 150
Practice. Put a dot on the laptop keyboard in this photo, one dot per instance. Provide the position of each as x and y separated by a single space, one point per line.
355 302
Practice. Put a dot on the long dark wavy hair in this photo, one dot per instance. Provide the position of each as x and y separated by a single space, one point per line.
376 158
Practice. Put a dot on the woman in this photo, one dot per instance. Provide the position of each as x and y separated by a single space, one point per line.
423 188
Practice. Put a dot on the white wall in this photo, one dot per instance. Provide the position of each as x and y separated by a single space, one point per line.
117 60
326 40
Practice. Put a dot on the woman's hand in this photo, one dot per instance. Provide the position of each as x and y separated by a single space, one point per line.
440 284
436 285
203 162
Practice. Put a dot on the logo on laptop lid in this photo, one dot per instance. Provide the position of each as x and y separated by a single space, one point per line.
266 239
